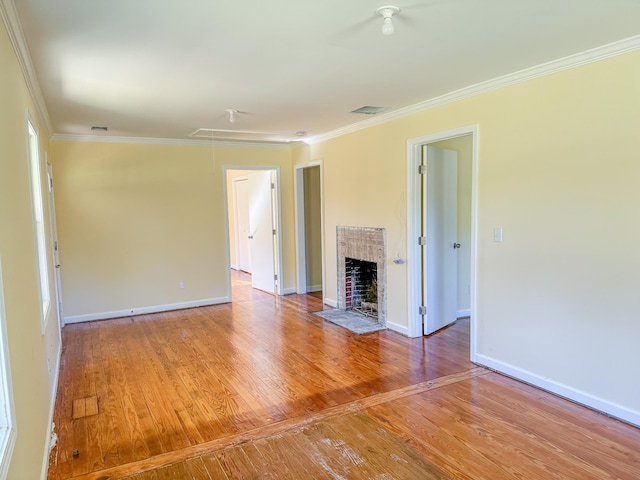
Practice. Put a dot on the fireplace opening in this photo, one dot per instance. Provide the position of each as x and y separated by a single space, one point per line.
361 287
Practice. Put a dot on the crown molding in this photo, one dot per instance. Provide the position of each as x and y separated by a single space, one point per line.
566 63
16 35
171 141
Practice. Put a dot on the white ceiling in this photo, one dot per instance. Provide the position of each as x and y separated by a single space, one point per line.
165 68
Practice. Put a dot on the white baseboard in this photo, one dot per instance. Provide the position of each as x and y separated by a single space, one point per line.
234 267
330 302
47 444
314 288
144 310
398 328
288 291
463 313
578 396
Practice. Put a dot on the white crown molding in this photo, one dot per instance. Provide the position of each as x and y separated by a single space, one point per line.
172 141
14 29
566 63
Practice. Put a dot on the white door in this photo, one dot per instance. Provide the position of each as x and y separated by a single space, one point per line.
54 239
262 231
241 192
439 225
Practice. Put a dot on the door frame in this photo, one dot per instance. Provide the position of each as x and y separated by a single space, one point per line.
414 284
301 250
277 212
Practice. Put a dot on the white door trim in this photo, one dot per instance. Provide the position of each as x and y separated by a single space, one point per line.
413 227
301 260
278 214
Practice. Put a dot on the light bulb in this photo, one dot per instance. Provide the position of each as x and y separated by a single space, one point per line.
387 13
387 26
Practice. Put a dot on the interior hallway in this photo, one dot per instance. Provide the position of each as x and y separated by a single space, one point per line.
262 388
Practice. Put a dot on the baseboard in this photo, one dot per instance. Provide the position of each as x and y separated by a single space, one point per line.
144 310
288 291
234 267
314 288
47 444
398 328
330 302
463 313
577 396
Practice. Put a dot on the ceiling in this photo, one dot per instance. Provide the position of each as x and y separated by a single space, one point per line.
166 68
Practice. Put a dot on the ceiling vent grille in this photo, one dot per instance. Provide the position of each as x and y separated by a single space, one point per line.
368 110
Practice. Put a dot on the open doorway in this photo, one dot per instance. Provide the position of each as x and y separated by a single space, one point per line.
309 228
441 219
253 225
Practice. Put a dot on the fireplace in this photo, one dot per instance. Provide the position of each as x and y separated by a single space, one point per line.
362 274
361 286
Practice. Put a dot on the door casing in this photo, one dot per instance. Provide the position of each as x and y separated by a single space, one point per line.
301 251
414 283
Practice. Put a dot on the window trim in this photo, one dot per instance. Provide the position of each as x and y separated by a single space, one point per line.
8 432
39 220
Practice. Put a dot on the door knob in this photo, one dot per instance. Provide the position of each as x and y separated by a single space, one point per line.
456 245
250 237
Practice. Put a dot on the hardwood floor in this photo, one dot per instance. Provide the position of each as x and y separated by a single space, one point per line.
262 388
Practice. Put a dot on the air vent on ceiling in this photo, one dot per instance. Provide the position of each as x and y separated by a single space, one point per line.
369 110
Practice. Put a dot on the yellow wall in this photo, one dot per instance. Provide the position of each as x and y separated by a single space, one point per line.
29 349
136 219
558 171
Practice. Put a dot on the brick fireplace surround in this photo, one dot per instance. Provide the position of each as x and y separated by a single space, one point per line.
369 245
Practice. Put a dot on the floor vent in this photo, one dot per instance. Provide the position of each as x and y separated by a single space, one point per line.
85 407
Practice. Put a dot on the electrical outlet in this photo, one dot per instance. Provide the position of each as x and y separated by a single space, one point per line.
180 284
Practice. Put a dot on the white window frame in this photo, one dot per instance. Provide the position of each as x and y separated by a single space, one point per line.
8 431
39 223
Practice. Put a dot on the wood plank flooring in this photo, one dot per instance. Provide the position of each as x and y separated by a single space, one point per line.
262 388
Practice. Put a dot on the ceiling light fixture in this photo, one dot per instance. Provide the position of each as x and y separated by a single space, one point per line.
232 114
387 13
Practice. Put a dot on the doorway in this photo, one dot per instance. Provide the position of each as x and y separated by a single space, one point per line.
253 225
441 226
309 228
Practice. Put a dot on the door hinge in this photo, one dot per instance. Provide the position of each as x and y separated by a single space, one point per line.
422 310
422 169
422 241
273 186
274 231
275 276
55 246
